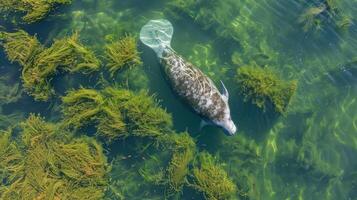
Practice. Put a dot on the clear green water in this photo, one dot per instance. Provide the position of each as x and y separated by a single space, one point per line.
308 153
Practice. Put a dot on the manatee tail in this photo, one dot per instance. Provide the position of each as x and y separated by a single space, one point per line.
157 35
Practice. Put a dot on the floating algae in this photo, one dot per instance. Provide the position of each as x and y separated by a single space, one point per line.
117 113
40 64
35 10
210 179
122 53
47 163
263 87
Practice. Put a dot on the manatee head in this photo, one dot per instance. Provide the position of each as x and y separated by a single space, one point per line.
227 123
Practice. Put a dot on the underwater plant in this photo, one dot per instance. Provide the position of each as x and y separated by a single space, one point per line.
40 64
183 150
67 54
211 179
263 87
144 116
309 18
46 162
122 53
11 160
85 106
116 113
20 46
35 10
326 11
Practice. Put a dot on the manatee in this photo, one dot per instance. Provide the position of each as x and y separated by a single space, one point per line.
188 81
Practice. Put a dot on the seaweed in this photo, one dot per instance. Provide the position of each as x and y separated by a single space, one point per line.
35 10
137 178
40 64
183 150
116 113
263 87
327 11
85 106
156 173
309 18
12 162
48 163
141 111
122 53
211 179
20 46
66 54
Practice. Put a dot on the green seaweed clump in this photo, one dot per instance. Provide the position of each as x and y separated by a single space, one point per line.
116 113
122 53
183 150
211 179
263 87
20 46
11 160
86 106
35 10
170 167
40 64
46 162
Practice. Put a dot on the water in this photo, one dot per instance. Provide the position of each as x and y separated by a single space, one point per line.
307 153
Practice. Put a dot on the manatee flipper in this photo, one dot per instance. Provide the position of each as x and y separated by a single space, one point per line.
157 34
224 91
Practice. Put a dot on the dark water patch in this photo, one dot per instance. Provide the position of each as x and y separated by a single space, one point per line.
253 121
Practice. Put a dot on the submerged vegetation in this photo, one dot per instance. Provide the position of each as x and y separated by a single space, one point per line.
34 10
117 113
255 47
45 162
40 64
326 11
211 179
263 87
120 114
20 46
122 53
183 148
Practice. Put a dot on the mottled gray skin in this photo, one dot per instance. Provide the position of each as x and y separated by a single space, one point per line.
192 85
